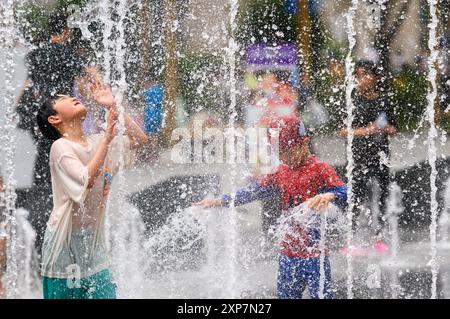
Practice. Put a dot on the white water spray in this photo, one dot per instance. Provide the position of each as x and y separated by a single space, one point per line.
10 148
394 209
29 283
231 59
444 221
122 236
350 85
105 19
322 245
432 135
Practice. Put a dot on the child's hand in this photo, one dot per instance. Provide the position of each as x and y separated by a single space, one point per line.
321 200
103 94
343 132
373 129
209 202
111 129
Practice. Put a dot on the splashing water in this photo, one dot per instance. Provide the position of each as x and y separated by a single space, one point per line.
192 249
432 135
350 85
444 221
176 248
119 88
231 59
29 283
123 223
205 246
9 149
326 220
127 250
394 209
106 20
323 230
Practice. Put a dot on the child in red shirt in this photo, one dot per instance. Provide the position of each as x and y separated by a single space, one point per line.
301 178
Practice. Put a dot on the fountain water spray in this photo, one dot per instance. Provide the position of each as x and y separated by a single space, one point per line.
9 149
122 237
394 209
29 283
444 221
432 135
350 85
322 245
231 59
105 18
120 230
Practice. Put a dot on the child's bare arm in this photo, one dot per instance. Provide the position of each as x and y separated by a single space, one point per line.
99 157
104 97
243 196
210 202
371 129
134 132
321 200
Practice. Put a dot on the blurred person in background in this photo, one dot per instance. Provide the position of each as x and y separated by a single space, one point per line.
153 117
372 125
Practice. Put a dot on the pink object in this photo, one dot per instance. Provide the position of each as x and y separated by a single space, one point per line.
380 247
356 251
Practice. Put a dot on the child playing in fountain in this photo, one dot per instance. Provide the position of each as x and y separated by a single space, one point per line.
301 177
74 257
373 124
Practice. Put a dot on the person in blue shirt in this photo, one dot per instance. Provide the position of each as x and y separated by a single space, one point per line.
153 116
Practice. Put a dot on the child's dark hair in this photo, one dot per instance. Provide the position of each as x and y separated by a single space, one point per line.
45 111
57 21
367 66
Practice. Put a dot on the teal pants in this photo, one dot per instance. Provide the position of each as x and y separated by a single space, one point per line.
97 286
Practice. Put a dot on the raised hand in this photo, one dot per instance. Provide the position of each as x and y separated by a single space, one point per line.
111 129
102 94
209 202
343 132
320 200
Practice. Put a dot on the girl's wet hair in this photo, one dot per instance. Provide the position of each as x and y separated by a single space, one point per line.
45 111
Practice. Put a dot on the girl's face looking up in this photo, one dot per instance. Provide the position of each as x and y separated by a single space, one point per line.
69 108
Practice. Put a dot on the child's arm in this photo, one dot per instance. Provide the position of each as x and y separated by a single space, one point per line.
104 97
385 124
244 196
371 129
134 132
332 189
98 159
336 195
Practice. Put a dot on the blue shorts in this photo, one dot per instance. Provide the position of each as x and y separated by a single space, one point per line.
97 286
294 274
